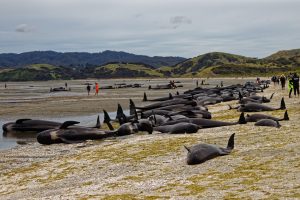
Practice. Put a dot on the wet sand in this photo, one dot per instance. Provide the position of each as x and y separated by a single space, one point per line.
264 164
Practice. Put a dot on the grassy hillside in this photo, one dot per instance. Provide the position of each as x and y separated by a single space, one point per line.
224 64
215 64
36 72
126 70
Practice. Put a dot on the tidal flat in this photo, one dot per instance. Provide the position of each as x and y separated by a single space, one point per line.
265 163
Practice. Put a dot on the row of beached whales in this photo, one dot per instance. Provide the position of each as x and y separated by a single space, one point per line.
173 114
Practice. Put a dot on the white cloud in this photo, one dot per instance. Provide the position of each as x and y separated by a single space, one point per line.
24 28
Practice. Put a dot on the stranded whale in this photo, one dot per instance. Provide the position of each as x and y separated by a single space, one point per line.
202 152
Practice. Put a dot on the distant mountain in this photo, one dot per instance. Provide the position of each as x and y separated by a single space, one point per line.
78 59
215 64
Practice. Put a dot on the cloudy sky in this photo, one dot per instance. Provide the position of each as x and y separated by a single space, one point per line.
185 28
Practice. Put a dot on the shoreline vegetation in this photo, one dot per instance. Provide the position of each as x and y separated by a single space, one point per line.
216 64
264 164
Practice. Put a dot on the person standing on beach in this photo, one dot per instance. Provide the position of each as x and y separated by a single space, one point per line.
296 84
96 88
282 81
88 88
290 86
5 86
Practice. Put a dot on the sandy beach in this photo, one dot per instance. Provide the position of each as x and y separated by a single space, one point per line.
265 163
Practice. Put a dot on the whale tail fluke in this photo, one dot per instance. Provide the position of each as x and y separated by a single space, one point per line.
242 119
230 144
145 97
286 116
282 104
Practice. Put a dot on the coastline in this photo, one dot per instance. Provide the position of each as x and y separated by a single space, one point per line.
264 164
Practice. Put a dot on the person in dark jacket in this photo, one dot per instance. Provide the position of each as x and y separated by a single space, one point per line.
296 84
282 81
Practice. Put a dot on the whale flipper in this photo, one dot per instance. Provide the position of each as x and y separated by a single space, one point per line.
187 148
66 124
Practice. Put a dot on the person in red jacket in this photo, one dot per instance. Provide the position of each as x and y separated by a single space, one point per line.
96 88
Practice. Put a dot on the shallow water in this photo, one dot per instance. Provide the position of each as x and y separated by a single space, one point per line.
10 140
28 93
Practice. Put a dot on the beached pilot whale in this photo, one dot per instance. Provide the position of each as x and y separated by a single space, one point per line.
29 125
202 152
207 123
182 127
34 126
268 122
257 117
67 133
256 107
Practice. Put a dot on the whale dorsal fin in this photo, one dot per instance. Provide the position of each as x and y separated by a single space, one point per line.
145 97
98 124
242 119
230 144
106 117
286 116
66 124
282 104
20 121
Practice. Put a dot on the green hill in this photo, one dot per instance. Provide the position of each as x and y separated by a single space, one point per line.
125 70
215 64
37 72
224 64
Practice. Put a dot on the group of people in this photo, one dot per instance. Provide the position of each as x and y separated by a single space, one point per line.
88 88
293 82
